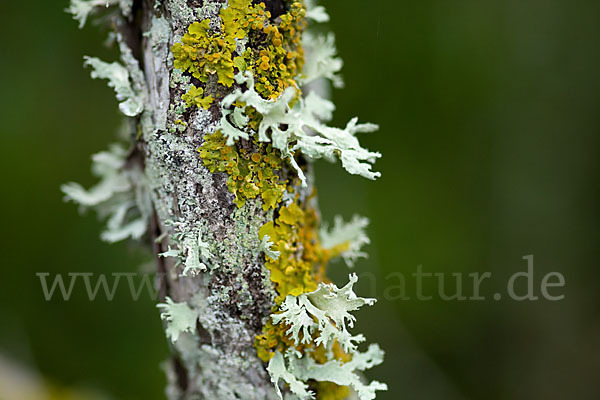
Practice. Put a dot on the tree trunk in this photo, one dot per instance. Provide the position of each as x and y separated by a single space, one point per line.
217 169
233 297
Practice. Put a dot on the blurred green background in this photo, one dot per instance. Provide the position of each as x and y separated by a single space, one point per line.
489 115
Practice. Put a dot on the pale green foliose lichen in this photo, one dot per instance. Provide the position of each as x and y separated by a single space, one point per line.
180 318
266 246
289 129
325 313
197 249
323 316
118 78
352 233
299 370
191 250
278 371
322 61
315 12
121 195
81 9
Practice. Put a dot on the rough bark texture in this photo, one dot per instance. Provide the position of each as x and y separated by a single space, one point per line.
223 111
234 297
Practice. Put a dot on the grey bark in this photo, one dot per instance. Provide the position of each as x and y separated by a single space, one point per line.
234 296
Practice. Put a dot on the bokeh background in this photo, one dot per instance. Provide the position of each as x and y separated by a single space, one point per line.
489 115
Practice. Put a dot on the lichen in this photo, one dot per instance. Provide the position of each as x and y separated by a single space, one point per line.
181 12
251 173
291 243
325 313
302 129
315 12
118 79
298 269
230 106
350 235
278 58
81 9
266 246
273 52
299 371
121 196
180 318
323 62
310 333
302 260
203 54
195 97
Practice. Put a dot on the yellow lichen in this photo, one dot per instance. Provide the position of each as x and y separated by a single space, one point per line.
195 97
278 59
274 53
204 54
302 261
250 175
241 16
273 338
299 269
330 391
294 235
275 57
